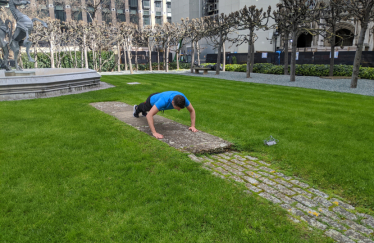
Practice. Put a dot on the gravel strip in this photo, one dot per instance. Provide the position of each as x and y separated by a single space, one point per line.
364 87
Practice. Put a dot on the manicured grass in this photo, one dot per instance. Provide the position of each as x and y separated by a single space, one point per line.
324 137
72 173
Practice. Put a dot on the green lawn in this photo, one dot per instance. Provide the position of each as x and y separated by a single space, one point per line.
70 173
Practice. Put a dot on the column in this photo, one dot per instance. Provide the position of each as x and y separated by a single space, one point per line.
51 8
114 11
68 10
140 14
99 14
84 11
153 13
127 11
164 12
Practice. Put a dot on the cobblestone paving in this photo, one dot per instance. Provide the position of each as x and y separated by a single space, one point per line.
336 218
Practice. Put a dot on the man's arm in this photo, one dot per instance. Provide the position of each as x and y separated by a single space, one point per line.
193 117
150 115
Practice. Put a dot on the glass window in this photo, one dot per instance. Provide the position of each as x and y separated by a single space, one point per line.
158 13
146 20
158 20
146 12
60 14
158 4
121 18
133 3
169 20
132 11
146 4
77 16
168 5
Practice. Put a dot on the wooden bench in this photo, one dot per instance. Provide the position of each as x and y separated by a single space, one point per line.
197 69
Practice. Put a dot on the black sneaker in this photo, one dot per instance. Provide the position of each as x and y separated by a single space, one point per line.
144 113
135 111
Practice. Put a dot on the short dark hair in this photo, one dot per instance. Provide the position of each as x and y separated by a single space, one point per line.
179 101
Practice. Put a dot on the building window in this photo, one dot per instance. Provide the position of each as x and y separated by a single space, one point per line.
107 15
158 4
121 18
158 20
77 16
60 13
133 3
146 4
146 20
169 20
168 5
158 13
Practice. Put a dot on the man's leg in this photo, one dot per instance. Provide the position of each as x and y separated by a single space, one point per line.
143 107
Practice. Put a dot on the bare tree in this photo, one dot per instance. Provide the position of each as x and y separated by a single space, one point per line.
218 29
283 29
298 16
52 35
330 18
195 30
250 19
362 10
127 31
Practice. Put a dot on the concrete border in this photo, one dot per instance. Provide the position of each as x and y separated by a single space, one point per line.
47 82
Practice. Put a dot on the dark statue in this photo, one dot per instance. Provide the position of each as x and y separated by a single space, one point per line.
20 36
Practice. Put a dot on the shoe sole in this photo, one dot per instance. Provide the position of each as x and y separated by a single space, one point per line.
133 111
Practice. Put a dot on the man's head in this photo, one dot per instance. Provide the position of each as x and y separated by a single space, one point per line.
179 102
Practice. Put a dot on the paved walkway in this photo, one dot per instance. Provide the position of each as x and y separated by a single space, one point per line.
175 134
336 218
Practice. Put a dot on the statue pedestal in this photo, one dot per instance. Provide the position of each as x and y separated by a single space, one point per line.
19 73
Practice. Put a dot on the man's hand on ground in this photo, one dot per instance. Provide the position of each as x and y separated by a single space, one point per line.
157 135
193 129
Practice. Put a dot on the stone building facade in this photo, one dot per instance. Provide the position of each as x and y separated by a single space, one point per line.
142 12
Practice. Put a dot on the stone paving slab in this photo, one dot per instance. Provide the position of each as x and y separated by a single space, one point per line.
337 218
175 134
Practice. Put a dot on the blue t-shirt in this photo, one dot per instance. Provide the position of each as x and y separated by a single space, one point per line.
163 100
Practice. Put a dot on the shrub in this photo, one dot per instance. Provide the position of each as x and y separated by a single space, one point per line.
304 69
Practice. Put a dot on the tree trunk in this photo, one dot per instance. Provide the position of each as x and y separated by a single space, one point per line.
167 56
218 65
35 56
164 58
252 57
85 50
158 59
193 56
224 57
82 57
198 53
357 60
249 54
119 57
332 51
136 60
249 59
177 59
293 56
51 46
129 58
286 53
150 57
124 56
75 58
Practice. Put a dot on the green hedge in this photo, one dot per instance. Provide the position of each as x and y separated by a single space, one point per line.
67 62
45 62
304 69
